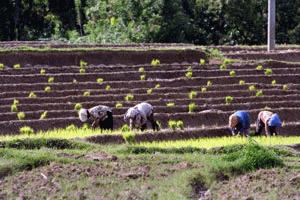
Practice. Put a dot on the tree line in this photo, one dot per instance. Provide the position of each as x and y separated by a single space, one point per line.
202 22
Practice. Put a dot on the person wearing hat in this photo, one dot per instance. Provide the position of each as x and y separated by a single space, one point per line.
138 116
99 116
268 120
239 122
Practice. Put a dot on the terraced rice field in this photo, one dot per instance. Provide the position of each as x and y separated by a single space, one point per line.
123 75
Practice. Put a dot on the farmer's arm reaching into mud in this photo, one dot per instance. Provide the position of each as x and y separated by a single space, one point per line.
95 123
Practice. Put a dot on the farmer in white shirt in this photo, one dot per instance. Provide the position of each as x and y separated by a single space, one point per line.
138 116
99 116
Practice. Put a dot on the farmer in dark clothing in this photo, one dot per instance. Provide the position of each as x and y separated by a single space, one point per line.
138 116
239 122
268 120
99 115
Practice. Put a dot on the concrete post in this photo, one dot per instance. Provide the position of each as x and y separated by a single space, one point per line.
271 24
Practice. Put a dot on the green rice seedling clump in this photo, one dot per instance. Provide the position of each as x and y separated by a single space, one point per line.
192 94
17 66
155 62
26 130
48 89
259 93
119 105
100 80
2 66
203 89
50 79
42 72
32 95
170 104
142 70
143 77
202 62
285 87
87 93
242 82
192 107
149 91
252 87
232 73
129 97
228 99
44 115
209 83
21 115
274 82
259 67
157 86
77 106
268 72
14 108
107 87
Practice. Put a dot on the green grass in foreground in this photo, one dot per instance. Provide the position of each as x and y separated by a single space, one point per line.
208 143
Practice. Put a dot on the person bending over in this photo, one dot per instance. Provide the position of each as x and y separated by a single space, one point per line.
239 122
98 116
268 120
138 116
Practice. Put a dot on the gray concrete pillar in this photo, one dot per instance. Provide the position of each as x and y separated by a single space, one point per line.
271 24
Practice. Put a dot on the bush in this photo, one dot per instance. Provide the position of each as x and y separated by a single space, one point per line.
129 97
192 94
192 107
259 67
21 115
171 104
87 93
14 108
142 70
77 106
42 72
268 72
129 137
242 82
26 130
274 82
32 95
1 66
143 77
209 83
100 80
107 87
232 73
155 62
228 99
259 93
252 87
17 66
44 115
50 79
48 89
202 62
228 61
119 105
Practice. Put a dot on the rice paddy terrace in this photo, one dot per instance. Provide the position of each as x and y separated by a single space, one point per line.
49 80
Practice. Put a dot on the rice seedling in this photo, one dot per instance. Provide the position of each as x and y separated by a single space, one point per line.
232 73
223 67
241 82
83 64
82 71
44 115
209 83
173 124
129 97
203 89
259 93
26 130
87 93
252 87
21 115
157 86
32 95
192 94
228 99
228 61
16 102
155 62
100 80
119 105
142 70
77 106
268 72
259 67
285 87
42 72
170 104
17 66
50 79
274 82
202 62
2 66
192 107
14 108
47 89
75 81
143 77
107 87
149 91
180 124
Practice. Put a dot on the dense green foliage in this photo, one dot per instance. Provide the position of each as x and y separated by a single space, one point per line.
123 21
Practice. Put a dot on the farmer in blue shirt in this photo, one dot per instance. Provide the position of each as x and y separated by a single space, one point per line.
268 120
239 122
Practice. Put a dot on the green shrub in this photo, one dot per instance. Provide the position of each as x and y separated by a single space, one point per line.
285 87
107 87
143 77
202 62
268 72
203 89
252 87
26 130
259 67
2 66
192 107
100 80
192 94
42 72
259 93
142 70
119 105
77 106
44 115
87 93
232 73
157 86
228 99
242 82
32 95
82 71
129 97
209 83
83 64
129 137
14 108
125 128
50 79
170 104
155 62
149 91
21 115
17 66
274 82
48 89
